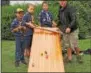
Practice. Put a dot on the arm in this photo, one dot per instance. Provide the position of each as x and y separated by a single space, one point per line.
58 18
40 19
30 25
16 29
27 22
72 14
54 24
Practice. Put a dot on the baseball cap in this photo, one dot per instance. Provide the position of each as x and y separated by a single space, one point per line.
19 10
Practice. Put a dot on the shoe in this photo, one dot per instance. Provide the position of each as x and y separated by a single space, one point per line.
79 59
24 62
17 64
69 61
66 60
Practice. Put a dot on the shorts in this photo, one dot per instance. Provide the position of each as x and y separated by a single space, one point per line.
70 40
28 42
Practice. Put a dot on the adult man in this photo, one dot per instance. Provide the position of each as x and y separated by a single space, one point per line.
68 25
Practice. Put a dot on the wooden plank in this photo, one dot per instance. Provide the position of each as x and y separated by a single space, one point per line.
46 52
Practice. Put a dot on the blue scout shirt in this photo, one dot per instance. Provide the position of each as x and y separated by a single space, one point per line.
15 24
45 18
27 17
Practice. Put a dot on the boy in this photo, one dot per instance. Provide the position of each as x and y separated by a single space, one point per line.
17 30
68 25
45 17
29 23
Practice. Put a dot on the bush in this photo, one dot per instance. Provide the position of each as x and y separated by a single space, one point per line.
83 16
8 14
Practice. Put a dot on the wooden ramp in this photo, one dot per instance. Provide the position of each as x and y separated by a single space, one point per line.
46 53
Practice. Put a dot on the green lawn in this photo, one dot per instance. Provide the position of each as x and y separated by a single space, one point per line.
8 55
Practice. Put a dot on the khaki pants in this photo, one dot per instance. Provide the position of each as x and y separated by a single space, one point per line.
70 40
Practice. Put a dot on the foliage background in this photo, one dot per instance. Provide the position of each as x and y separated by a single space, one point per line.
83 17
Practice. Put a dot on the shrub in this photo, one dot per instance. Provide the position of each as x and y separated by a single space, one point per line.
83 16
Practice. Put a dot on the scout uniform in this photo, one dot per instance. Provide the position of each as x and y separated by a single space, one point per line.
45 18
19 38
29 31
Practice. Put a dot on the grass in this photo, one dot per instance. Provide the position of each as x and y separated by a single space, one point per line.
8 55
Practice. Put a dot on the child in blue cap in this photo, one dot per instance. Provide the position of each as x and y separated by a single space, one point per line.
17 29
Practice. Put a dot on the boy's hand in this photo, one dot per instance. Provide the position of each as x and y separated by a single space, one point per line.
30 25
54 24
23 28
19 27
15 30
33 26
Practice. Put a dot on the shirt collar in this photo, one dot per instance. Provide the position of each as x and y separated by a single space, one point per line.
44 11
28 13
61 8
16 19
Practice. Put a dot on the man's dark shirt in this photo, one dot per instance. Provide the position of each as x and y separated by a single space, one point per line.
67 18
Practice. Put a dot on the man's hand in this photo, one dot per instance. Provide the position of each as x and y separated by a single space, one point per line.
68 30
